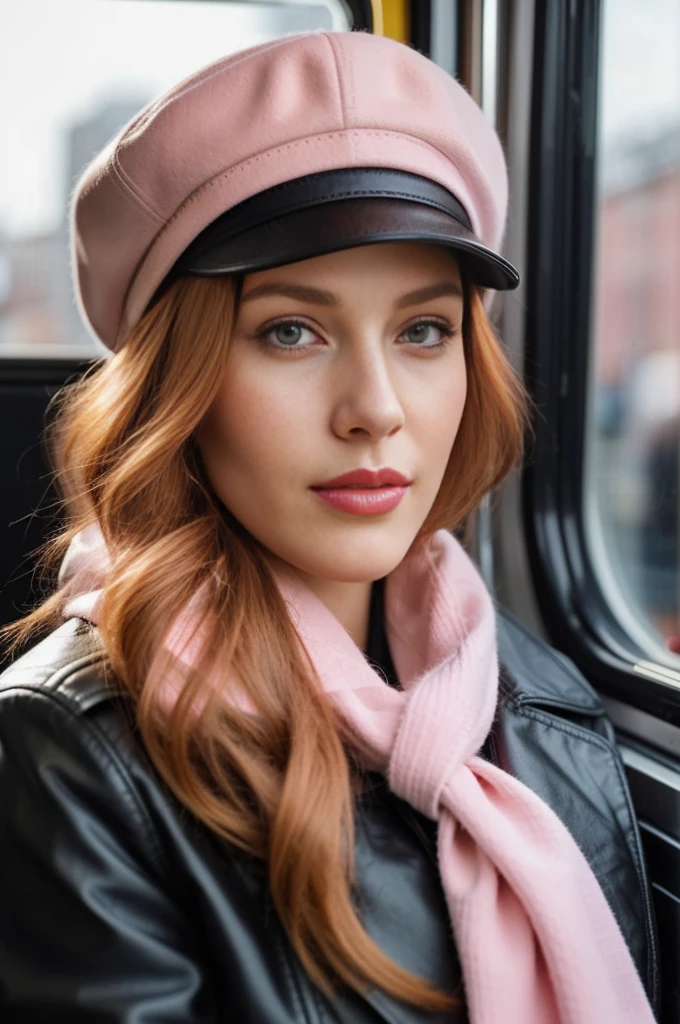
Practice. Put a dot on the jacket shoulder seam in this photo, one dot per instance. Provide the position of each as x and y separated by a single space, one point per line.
63 675
509 690
553 722
58 679
108 757
546 650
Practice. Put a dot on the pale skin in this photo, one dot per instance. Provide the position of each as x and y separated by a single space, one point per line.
369 374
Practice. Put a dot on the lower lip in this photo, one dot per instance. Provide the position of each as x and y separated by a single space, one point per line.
362 501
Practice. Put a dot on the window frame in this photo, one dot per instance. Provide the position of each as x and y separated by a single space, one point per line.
560 295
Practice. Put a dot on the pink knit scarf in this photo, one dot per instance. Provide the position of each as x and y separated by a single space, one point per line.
537 941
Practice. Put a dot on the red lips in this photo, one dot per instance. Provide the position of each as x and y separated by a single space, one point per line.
364 492
366 478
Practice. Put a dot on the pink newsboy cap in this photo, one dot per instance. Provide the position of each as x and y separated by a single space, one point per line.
330 118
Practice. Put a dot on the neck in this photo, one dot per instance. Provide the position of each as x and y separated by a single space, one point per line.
350 603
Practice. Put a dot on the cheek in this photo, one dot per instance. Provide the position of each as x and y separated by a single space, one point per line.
245 440
442 412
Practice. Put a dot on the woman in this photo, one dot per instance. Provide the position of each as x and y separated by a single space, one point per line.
265 770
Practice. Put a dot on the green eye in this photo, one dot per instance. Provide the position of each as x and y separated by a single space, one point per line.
288 336
418 333
288 333
424 333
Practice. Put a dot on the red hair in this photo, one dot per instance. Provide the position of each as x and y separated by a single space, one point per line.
280 784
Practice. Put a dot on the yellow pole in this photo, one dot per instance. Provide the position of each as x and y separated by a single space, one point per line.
393 18
376 9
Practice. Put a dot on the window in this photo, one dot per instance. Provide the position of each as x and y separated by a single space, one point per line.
73 73
632 492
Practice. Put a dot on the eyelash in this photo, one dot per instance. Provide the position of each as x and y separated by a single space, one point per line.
447 331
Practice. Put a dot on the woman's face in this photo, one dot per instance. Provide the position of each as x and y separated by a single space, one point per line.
350 361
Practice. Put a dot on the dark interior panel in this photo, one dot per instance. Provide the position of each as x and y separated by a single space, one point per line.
28 500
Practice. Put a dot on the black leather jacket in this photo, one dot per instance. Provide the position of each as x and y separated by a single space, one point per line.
116 906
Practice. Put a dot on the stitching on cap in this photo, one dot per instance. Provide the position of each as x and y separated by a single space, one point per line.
143 121
294 182
343 109
223 65
125 184
94 183
134 188
192 82
124 189
351 105
364 192
271 153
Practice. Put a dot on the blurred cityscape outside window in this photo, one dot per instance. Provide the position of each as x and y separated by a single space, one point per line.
72 73
634 432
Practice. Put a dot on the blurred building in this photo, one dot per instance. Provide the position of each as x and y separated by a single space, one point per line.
637 370
638 255
33 310
37 310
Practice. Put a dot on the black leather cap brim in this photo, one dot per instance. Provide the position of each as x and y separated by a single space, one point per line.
331 211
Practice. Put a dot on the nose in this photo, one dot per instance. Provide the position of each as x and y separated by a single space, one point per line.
366 404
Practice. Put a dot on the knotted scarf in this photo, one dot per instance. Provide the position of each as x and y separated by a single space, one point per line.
537 941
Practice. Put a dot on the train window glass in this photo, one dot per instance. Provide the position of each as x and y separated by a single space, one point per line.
73 72
634 430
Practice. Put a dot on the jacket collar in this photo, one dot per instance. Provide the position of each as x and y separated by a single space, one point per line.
534 674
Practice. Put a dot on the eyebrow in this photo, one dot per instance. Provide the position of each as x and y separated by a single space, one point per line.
323 298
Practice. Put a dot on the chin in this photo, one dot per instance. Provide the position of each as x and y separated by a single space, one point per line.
354 559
